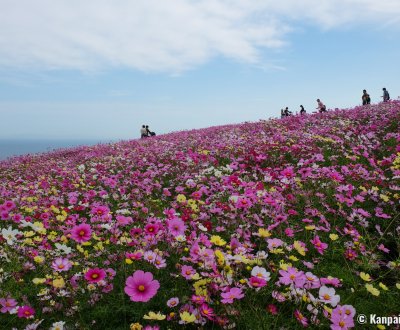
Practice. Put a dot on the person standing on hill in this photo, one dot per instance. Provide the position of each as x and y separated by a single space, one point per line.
143 132
385 95
321 107
302 110
365 98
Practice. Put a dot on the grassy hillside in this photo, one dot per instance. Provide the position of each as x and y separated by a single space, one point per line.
275 224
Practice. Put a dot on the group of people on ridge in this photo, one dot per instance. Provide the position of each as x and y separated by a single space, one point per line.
145 132
366 99
286 113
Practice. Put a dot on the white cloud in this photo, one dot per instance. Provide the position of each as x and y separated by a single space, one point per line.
159 35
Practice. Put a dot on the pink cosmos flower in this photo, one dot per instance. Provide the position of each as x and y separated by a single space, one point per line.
176 227
292 276
94 275
160 262
81 233
257 282
150 256
328 296
229 296
141 287
187 272
342 317
274 243
198 299
312 281
151 229
207 311
271 308
8 304
301 318
320 246
61 264
173 302
25 312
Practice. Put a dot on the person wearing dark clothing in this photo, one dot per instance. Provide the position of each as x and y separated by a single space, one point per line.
149 133
385 96
365 98
287 112
321 107
302 110
143 132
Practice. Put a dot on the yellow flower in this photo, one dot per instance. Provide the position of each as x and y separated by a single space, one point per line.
333 237
59 283
398 286
384 197
128 261
135 326
29 233
37 281
383 286
365 277
293 258
262 232
187 317
217 240
310 227
154 316
370 288
38 259
300 249
181 198
381 326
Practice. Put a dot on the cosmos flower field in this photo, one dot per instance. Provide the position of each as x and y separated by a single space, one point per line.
286 223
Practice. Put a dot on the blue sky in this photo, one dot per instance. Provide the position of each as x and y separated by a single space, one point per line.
98 70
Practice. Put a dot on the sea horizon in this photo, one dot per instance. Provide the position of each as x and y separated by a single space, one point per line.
18 147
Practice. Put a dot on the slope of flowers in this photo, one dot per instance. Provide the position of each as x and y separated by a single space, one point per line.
280 223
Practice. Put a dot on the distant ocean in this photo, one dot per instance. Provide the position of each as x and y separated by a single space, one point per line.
9 148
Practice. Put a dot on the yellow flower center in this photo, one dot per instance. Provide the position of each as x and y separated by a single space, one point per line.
141 288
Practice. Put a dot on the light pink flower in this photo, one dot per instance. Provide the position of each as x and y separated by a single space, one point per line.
61 264
141 287
229 296
8 304
328 296
173 302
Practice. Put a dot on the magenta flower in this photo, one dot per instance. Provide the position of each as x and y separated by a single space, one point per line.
8 304
176 227
25 312
141 287
81 233
94 275
229 296
301 318
61 264
320 246
207 311
257 282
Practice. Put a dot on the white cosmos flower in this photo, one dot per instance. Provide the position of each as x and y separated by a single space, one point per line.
261 272
10 234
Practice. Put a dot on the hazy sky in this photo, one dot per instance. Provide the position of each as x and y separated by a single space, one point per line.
100 69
